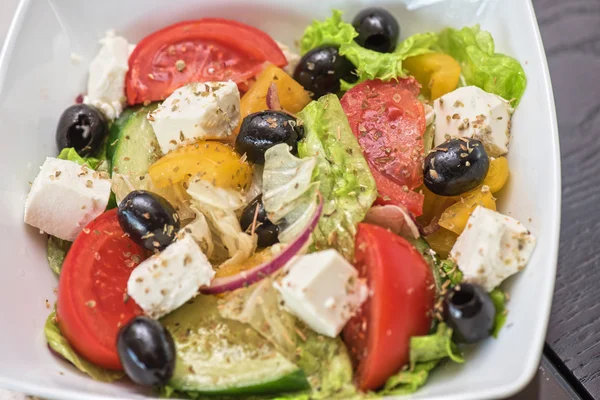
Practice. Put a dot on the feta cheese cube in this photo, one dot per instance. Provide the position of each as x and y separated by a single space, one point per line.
106 83
167 280
492 247
323 290
65 197
196 111
470 112
292 58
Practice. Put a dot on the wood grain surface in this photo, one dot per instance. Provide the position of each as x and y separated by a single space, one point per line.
571 34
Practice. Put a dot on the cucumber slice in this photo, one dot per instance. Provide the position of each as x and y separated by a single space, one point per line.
225 357
132 145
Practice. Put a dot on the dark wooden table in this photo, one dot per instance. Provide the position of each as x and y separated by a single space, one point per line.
571 34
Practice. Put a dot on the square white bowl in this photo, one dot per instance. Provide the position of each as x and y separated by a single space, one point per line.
38 79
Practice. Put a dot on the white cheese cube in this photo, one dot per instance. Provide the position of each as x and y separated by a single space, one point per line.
65 197
323 290
196 111
471 112
292 58
167 280
106 83
492 247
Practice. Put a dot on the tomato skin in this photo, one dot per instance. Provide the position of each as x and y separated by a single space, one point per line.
399 307
388 120
212 49
91 305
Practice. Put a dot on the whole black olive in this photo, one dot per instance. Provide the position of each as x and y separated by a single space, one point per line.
320 70
147 352
149 219
82 127
470 312
262 130
455 167
377 29
265 230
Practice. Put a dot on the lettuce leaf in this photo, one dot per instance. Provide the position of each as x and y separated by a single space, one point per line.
425 353
56 252
499 300
289 195
344 177
59 344
258 306
332 31
481 65
385 66
327 366
71 155
219 206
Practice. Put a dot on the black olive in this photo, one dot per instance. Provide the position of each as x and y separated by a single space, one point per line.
320 70
265 230
82 127
455 167
147 352
377 29
262 130
470 312
149 219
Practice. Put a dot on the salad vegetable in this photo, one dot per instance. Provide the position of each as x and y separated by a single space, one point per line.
343 174
230 219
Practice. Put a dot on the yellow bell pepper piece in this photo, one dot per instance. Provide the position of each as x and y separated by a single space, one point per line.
455 217
437 73
497 174
211 161
441 241
292 96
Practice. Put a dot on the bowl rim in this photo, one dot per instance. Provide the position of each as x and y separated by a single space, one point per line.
555 199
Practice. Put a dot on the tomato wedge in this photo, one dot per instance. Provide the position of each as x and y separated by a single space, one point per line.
388 120
400 306
209 49
92 302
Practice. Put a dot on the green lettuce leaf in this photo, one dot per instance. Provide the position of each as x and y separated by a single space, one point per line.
433 347
481 65
327 365
344 177
385 66
59 344
56 252
71 155
409 381
258 305
499 300
332 31
425 353
289 193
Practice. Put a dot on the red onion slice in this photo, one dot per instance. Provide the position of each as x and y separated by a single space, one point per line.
395 218
248 277
273 98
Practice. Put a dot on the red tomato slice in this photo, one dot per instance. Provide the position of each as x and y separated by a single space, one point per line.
390 193
400 306
389 122
209 49
92 303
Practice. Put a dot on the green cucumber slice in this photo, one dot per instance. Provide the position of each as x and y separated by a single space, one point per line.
225 357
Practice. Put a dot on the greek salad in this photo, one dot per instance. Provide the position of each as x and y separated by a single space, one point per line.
230 216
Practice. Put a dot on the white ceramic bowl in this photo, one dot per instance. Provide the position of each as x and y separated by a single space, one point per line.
38 80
